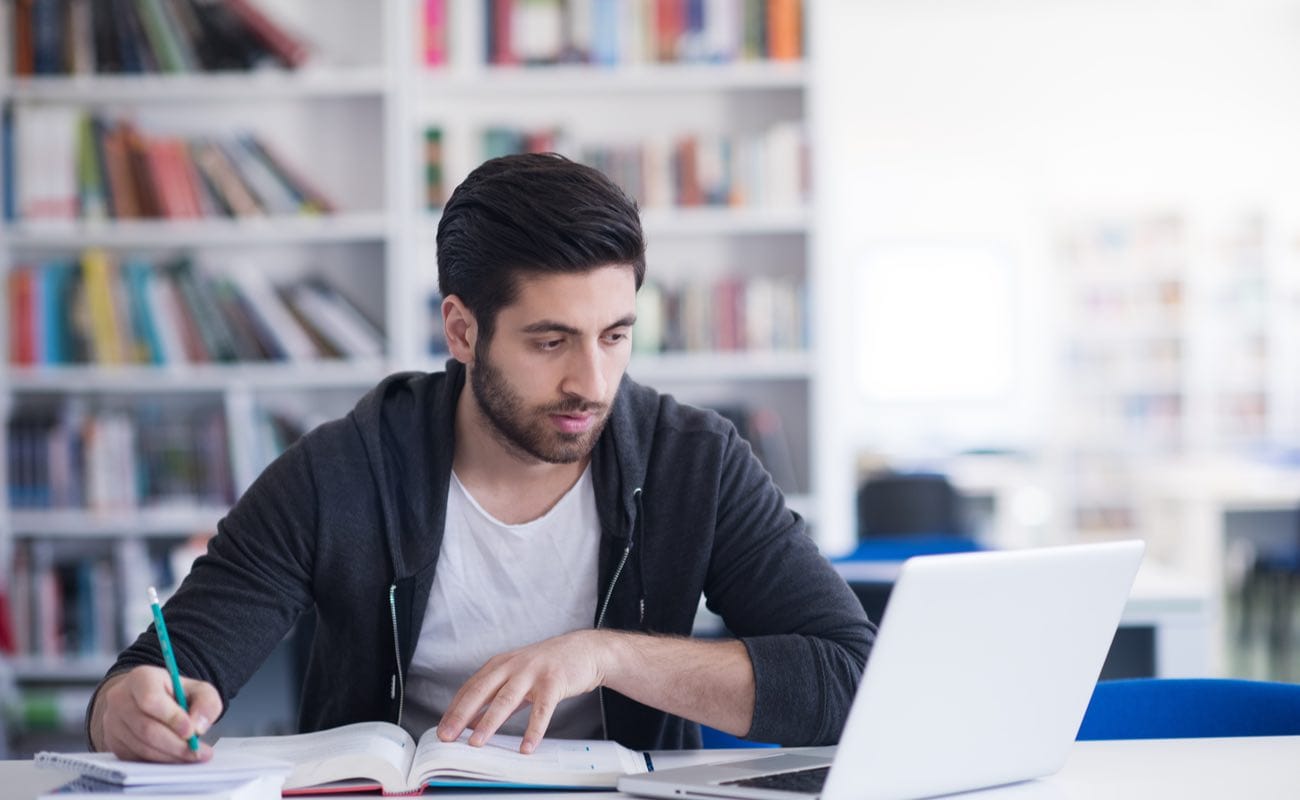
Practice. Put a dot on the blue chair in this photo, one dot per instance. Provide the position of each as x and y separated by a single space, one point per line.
900 515
1188 708
714 739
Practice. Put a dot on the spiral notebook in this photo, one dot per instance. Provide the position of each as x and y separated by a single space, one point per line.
221 768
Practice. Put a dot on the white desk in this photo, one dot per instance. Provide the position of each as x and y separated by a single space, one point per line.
1183 511
1261 768
1175 608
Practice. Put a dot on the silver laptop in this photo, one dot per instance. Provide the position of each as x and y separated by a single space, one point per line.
980 676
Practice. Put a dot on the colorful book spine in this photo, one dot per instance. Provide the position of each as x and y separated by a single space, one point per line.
435 33
764 170
291 50
434 192
610 32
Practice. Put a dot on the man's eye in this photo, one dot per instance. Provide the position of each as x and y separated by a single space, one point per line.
550 344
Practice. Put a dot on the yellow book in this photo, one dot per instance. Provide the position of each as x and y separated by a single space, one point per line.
98 273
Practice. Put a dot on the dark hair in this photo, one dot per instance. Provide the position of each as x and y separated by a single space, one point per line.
539 213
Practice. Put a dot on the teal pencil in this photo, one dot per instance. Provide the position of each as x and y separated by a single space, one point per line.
170 658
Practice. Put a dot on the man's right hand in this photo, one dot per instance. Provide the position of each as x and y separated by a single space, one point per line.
137 718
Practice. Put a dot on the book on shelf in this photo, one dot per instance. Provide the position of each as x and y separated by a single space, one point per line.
615 32
66 604
106 312
434 191
435 32
380 756
83 37
767 169
731 314
70 457
762 427
8 169
74 600
73 165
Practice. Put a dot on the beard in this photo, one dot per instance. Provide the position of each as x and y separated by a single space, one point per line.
530 430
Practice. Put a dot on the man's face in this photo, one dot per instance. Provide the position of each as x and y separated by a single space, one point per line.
546 380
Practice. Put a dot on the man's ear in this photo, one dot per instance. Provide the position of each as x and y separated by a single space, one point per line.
460 328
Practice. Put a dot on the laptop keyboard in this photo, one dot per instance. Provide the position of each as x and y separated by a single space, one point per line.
806 781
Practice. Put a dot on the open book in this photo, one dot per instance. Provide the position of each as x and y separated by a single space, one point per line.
380 755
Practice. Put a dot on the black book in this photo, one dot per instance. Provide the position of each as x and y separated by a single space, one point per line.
49 18
122 13
187 22
108 58
232 46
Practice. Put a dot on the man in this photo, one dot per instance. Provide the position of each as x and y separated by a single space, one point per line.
520 542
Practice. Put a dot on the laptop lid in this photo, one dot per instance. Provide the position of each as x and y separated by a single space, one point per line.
980 676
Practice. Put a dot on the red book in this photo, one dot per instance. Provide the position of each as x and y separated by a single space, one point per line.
286 47
22 317
689 192
165 189
117 169
503 51
24 45
670 23
141 176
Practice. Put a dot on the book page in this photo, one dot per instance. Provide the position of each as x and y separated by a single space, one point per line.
555 762
378 751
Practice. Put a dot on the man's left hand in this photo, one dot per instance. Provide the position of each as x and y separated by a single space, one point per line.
540 674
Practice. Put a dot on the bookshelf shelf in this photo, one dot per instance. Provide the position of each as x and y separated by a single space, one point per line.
81 524
726 221
651 78
197 377
322 82
736 366
697 222
44 669
351 227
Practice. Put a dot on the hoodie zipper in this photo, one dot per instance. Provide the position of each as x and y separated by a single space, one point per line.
396 683
609 593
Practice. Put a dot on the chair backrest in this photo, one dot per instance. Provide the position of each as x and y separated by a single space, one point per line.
1186 708
903 503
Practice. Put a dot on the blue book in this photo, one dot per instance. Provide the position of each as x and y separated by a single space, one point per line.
49 333
7 156
604 32
138 274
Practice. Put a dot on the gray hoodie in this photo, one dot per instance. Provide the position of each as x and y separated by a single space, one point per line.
349 521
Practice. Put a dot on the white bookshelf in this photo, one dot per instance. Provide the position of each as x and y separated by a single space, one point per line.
356 116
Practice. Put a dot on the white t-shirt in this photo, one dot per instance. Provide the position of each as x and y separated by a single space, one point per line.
499 587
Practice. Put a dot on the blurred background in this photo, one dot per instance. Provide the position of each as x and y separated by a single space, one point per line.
967 275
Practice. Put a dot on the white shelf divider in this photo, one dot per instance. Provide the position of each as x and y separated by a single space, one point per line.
179 521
